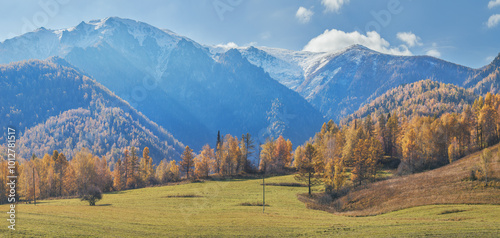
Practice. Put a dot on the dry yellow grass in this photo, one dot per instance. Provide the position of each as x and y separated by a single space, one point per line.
445 185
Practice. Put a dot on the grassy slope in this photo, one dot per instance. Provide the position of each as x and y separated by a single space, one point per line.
445 185
149 212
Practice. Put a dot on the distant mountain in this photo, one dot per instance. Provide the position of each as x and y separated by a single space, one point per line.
487 79
338 83
422 98
175 81
54 107
288 67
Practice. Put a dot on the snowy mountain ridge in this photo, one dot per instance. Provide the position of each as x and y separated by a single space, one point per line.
338 83
123 34
335 83
292 68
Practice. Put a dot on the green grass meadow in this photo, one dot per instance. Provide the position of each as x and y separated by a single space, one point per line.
212 209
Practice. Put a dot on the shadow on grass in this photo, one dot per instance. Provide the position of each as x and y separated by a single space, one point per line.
256 204
37 202
244 177
231 179
451 211
103 205
286 184
183 196
116 192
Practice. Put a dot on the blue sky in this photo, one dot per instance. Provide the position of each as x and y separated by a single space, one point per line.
464 32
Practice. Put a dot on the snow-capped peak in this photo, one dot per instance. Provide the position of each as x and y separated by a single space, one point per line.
129 37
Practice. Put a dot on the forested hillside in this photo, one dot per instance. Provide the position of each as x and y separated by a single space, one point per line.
487 79
422 98
56 108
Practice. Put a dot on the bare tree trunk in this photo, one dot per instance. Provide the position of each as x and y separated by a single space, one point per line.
309 184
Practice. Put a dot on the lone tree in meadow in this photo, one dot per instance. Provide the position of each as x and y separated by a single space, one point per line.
92 195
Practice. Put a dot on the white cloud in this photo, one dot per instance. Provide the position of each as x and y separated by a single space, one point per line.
493 3
228 46
334 5
336 40
409 38
304 15
253 43
265 35
493 20
489 59
433 53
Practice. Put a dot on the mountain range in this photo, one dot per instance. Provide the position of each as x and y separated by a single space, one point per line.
338 83
192 91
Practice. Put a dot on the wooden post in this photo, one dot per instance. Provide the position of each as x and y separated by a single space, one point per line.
263 181
34 190
263 192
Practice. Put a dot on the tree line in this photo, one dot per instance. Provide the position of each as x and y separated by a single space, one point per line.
349 154
55 176
86 175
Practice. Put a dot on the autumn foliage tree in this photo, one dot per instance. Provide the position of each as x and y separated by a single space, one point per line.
118 176
276 156
453 150
283 155
232 162
132 171
204 162
267 156
85 171
26 185
147 173
366 155
309 167
187 161
410 151
339 175
167 172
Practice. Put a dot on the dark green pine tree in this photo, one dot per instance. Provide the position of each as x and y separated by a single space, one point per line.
249 147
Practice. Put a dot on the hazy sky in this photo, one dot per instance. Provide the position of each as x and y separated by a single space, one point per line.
461 31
